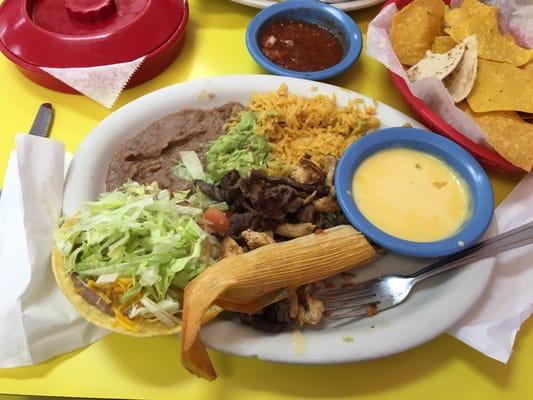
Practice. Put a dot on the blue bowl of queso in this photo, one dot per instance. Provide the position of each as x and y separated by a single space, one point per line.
414 192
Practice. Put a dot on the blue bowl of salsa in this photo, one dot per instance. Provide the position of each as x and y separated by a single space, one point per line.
304 39
406 190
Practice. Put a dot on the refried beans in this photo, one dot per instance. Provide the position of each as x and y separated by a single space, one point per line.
151 155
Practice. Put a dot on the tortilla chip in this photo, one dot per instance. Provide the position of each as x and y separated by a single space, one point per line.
94 315
414 29
461 81
436 65
442 44
501 87
508 134
475 18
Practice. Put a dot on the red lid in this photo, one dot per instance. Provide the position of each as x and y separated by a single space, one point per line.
84 33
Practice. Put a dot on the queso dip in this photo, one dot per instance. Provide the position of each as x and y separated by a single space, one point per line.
411 195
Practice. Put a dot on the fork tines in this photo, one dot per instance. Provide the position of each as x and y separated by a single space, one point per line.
350 302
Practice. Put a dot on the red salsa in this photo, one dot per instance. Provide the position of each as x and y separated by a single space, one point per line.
300 46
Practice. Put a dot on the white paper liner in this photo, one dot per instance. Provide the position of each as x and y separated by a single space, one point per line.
103 84
515 17
36 320
430 90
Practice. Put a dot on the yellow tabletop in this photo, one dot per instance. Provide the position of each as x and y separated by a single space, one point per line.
122 367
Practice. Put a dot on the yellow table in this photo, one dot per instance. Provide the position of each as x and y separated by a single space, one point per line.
123 367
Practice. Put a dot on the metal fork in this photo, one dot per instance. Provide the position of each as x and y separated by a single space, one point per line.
381 293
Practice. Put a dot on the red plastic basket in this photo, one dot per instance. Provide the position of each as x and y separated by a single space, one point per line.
434 122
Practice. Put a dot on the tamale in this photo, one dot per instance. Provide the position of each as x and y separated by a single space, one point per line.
250 281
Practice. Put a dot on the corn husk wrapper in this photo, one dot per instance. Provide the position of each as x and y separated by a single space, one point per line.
253 280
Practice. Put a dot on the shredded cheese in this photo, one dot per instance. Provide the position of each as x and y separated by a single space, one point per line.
124 321
133 300
104 297
114 290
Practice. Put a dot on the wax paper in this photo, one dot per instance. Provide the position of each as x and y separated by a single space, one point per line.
103 84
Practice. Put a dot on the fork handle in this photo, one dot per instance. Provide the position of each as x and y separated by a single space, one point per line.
517 237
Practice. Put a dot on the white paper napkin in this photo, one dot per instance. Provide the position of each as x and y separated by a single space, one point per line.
492 325
103 84
36 321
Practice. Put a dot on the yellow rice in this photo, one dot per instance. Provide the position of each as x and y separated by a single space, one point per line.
315 127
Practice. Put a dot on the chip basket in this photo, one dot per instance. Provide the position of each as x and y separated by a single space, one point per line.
486 156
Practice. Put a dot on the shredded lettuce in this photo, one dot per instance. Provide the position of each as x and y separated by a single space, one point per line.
203 201
190 167
159 311
181 171
130 294
140 232
163 310
241 148
107 278
192 162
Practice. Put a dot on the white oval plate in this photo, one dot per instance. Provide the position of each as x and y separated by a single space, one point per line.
345 5
435 305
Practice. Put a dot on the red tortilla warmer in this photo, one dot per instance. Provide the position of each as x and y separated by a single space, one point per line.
89 33
486 156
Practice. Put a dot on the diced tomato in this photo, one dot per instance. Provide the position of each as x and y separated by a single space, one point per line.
218 220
